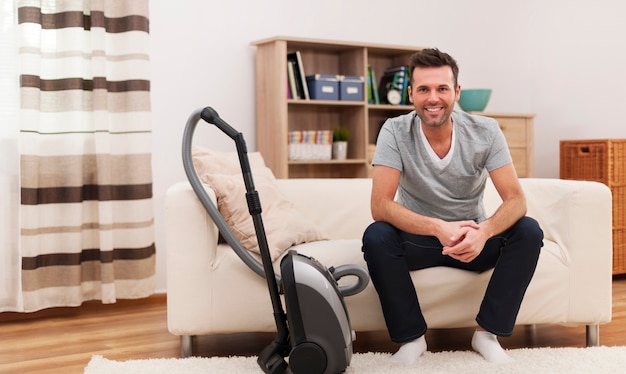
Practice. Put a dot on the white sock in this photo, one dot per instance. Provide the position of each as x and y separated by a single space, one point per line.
488 346
409 352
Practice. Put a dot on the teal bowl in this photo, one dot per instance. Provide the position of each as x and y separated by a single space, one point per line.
474 100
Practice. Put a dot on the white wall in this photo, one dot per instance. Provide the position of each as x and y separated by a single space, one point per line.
577 74
562 60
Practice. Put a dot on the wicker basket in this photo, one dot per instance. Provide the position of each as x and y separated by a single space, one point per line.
619 251
601 160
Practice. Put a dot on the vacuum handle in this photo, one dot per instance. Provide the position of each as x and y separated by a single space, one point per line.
210 115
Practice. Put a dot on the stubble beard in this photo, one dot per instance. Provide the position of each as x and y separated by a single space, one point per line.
434 122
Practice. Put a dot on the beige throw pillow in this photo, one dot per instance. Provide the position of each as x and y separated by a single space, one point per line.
284 225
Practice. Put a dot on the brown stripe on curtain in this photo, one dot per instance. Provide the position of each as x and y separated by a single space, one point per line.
63 259
53 195
79 19
33 81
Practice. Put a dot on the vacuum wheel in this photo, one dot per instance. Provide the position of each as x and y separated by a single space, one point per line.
307 358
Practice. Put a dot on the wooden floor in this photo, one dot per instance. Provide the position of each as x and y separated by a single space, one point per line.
63 340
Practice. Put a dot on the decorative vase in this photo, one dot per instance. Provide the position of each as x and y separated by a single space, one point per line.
340 150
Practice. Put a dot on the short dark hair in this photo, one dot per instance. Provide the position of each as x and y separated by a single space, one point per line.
433 57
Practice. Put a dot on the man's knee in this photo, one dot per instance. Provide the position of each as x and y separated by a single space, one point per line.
531 235
378 235
531 229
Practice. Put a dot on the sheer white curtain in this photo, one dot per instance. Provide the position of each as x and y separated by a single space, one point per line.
10 256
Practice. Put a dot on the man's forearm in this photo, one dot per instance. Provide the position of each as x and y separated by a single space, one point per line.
509 212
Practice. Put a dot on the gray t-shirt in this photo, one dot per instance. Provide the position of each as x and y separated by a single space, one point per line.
456 191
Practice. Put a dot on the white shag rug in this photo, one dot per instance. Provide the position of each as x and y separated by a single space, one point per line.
528 360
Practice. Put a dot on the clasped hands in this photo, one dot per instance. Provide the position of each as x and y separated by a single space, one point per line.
462 240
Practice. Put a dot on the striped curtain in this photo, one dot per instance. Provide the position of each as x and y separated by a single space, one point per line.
86 214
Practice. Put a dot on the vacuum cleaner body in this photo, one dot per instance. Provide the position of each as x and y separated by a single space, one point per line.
319 326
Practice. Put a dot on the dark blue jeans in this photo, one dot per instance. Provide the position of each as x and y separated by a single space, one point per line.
391 254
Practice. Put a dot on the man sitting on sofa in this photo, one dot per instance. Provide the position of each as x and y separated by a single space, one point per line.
437 160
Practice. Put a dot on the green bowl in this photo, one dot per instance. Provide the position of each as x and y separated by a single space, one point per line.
474 100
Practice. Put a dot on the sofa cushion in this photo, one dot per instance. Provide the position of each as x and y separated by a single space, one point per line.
284 225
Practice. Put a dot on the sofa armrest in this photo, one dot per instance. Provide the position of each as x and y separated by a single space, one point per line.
577 215
191 240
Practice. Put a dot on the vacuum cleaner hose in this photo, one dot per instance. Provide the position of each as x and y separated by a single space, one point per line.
211 116
206 201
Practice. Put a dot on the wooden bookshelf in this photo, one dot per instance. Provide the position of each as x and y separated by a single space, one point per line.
276 115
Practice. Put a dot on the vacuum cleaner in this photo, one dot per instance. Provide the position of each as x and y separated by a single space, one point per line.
314 332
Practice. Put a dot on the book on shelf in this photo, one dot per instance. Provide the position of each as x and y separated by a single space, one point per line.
405 87
370 99
299 87
393 86
300 78
310 145
291 82
372 87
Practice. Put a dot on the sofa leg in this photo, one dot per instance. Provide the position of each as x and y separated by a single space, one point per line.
186 346
531 334
593 335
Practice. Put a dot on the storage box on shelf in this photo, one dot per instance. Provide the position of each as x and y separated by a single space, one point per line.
350 88
601 160
323 86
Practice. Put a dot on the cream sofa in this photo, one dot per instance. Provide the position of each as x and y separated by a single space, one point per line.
211 291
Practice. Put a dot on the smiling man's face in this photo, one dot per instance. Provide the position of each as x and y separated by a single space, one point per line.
433 94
